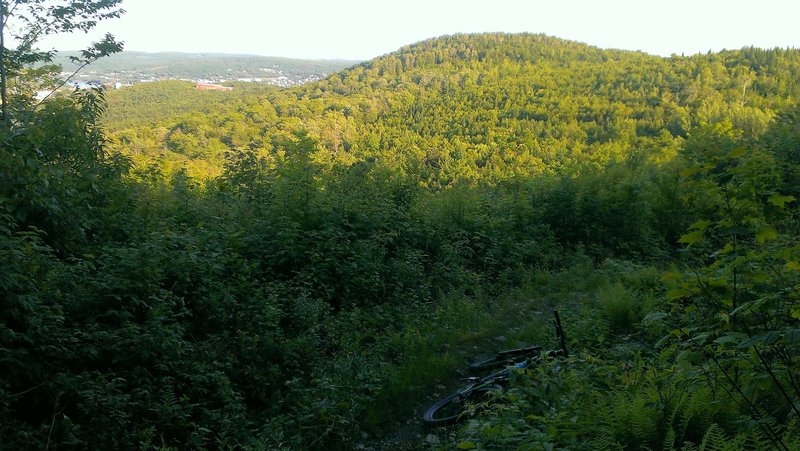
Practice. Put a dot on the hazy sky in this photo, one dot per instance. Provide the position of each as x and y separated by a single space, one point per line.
361 29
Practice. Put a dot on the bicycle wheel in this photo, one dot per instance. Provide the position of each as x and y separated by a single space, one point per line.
446 411
450 409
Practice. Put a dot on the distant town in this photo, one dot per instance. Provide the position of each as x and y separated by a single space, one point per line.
124 78
205 70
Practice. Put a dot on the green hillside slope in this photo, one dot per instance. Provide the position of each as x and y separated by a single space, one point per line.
309 268
491 106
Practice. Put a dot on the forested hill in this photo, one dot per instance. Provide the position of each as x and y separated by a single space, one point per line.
309 268
471 107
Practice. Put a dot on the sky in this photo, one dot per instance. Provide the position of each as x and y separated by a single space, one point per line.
361 29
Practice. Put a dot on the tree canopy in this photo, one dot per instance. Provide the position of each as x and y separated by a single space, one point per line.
302 268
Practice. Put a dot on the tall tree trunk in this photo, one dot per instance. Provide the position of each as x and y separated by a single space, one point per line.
3 79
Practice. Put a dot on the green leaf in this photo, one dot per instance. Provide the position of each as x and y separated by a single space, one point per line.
701 338
655 316
779 201
677 293
793 266
738 152
751 342
467 445
771 337
700 225
767 339
765 234
727 249
691 237
685 359
730 337
688 172
748 306
791 336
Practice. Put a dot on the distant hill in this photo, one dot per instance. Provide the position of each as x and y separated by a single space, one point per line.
473 108
135 67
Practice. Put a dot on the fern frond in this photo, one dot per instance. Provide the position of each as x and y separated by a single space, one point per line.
752 440
714 439
168 397
606 442
643 425
669 439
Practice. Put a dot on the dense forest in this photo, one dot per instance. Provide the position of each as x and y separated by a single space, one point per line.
307 268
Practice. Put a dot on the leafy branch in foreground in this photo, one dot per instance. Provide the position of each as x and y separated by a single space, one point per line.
740 309
25 23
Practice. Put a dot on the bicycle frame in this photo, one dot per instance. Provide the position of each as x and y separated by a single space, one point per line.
451 409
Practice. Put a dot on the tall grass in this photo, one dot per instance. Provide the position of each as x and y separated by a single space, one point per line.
618 307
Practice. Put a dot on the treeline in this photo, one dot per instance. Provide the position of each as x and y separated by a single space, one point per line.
259 271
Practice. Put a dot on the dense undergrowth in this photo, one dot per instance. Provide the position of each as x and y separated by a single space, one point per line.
623 387
317 287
